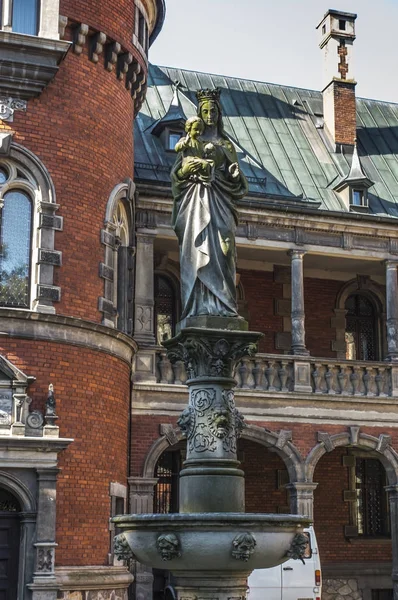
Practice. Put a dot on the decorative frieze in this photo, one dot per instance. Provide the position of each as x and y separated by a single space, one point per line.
50 222
80 32
50 257
123 61
48 292
111 53
8 106
96 48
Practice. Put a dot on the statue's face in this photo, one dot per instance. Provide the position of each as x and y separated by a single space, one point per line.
209 113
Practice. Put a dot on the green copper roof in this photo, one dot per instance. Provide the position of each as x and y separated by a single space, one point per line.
282 146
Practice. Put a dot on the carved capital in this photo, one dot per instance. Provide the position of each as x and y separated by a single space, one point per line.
206 354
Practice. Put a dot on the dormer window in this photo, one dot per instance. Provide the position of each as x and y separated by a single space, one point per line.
359 197
172 139
342 24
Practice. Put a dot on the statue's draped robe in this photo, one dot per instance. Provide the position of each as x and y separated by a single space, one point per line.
205 219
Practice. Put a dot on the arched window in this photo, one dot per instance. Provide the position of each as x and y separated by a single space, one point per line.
167 472
118 237
27 225
15 252
122 267
25 15
361 328
165 308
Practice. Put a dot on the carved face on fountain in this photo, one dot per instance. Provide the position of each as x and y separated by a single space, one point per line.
168 546
219 422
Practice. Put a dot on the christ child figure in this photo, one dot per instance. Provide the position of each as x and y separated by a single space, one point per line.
194 150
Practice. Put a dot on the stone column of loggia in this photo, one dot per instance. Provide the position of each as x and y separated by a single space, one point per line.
298 314
392 309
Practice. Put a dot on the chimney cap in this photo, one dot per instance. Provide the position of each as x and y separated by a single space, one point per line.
339 14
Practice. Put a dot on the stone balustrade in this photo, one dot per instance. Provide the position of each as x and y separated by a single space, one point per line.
282 374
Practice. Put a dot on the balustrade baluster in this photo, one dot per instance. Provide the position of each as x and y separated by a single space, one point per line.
368 378
244 373
165 369
329 378
271 374
354 378
341 378
258 374
379 380
177 372
282 372
316 376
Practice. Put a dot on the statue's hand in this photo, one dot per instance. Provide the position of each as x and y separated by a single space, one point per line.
191 167
234 170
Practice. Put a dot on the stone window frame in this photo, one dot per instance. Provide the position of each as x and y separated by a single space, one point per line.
372 290
141 44
48 18
349 461
117 491
38 185
123 193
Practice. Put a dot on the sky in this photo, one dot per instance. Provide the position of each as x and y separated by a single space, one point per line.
276 41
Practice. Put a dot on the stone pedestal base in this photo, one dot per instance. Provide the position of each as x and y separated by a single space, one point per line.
211 585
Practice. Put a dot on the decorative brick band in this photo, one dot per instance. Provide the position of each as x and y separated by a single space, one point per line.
117 59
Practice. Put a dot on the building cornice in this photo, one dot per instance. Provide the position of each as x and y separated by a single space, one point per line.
66 330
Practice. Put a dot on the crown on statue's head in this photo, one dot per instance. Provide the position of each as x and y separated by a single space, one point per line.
208 94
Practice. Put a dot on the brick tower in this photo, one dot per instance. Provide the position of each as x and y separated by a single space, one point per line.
72 78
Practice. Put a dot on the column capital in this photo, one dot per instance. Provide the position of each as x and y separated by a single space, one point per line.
301 486
295 253
143 485
391 263
145 237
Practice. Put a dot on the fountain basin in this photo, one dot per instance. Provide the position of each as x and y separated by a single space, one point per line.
210 541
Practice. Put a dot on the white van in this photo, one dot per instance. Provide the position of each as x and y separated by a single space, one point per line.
292 580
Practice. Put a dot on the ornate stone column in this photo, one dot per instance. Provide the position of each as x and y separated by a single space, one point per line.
298 315
44 586
141 501
144 326
144 293
210 346
302 498
392 310
393 499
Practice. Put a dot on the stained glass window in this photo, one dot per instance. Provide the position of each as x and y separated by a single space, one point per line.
15 232
361 328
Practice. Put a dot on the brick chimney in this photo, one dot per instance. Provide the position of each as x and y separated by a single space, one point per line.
337 35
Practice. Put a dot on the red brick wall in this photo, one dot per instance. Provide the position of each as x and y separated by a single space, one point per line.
92 393
331 514
261 293
345 114
319 300
261 470
115 19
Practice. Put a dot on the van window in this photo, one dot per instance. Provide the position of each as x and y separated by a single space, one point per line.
308 549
